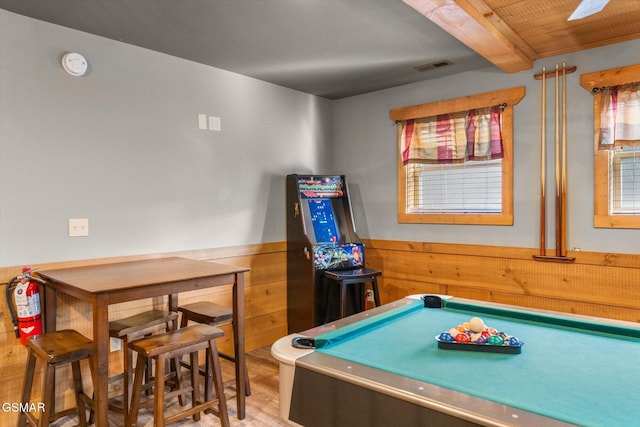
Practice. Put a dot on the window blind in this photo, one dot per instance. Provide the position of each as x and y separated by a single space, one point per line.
469 187
624 179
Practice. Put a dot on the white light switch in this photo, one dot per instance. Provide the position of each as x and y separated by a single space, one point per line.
78 227
215 123
202 121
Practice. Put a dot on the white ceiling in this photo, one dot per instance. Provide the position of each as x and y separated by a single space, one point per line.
329 48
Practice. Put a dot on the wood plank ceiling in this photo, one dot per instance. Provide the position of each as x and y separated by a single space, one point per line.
514 33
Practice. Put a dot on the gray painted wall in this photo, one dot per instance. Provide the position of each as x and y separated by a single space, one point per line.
365 147
121 147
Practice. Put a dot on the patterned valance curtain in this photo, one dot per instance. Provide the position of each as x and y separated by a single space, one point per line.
619 116
453 138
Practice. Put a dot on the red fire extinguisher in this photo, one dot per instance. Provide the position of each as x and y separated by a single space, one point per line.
26 314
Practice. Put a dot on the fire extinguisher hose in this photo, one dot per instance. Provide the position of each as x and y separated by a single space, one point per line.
12 310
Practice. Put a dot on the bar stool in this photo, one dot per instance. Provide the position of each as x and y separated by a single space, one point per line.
356 276
56 349
213 314
127 330
163 347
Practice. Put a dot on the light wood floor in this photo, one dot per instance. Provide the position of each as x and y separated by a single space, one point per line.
262 405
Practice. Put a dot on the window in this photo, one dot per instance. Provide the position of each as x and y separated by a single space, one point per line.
624 180
616 157
466 180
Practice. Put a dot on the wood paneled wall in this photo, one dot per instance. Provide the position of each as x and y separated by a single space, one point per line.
598 284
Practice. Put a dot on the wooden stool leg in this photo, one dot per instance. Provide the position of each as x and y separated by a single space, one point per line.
28 385
78 390
376 294
148 376
362 289
247 386
343 300
48 394
175 363
127 385
214 360
136 394
208 378
195 387
158 391
184 321
94 381
177 385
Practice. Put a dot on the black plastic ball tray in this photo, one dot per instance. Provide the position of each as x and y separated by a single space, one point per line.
488 348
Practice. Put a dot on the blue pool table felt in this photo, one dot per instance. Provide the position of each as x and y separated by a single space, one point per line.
580 376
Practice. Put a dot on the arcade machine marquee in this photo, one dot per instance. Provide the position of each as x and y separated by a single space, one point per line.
320 236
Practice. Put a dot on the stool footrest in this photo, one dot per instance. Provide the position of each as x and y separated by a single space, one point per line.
192 411
167 395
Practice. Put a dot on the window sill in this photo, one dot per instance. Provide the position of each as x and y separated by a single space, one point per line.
470 219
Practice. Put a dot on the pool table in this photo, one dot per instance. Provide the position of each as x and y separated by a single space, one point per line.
384 367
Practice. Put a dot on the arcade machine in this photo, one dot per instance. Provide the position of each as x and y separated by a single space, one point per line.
320 236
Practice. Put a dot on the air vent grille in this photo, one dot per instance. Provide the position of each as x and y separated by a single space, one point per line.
433 65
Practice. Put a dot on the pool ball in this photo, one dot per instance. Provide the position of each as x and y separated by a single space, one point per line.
513 341
495 340
462 338
475 336
476 324
446 336
482 340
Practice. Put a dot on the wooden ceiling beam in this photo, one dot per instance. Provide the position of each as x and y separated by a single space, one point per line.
477 26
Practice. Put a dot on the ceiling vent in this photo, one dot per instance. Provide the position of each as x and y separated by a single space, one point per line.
433 65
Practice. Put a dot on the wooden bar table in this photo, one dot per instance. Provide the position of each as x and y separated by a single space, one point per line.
101 285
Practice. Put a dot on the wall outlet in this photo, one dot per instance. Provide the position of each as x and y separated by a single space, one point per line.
78 227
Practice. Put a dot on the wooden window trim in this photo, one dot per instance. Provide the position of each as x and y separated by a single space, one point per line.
602 217
510 97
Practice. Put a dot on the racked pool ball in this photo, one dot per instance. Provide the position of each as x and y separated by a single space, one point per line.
462 338
482 339
514 341
475 336
446 337
476 324
495 340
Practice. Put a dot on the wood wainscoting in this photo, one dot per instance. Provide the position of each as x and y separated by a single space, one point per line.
596 284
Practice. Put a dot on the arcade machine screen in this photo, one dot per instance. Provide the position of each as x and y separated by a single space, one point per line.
323 221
